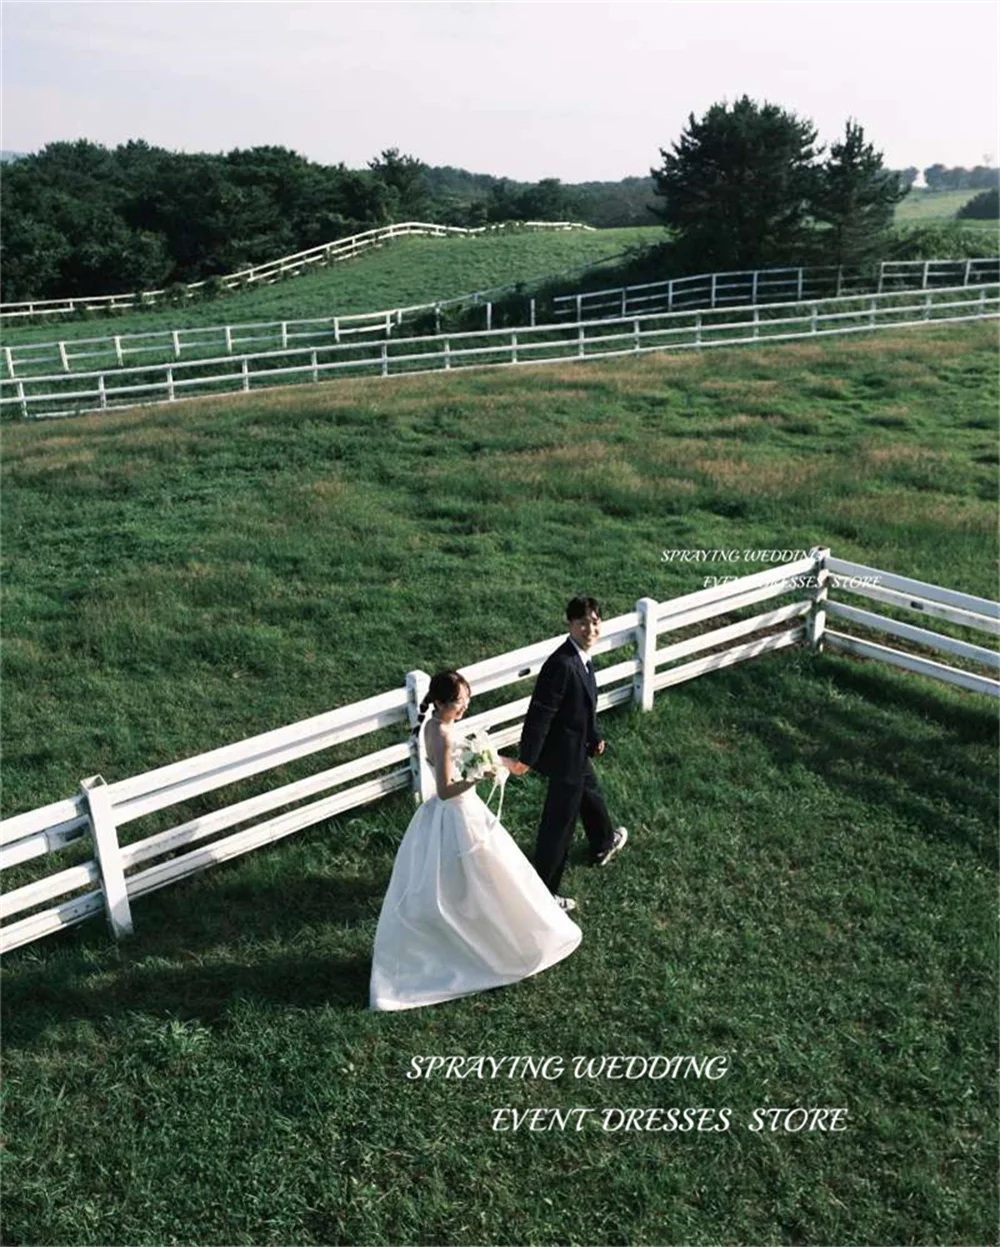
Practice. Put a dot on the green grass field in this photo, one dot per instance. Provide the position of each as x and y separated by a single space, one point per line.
811 883
402 273
924 207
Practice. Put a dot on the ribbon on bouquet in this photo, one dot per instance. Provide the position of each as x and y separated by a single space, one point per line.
499 781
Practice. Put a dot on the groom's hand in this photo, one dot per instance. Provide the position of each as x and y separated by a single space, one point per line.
600 748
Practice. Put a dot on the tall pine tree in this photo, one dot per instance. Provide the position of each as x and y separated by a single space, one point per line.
856 198
738 187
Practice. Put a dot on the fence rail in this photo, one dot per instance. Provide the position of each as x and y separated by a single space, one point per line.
273 270
109 881
709 291
59 395
712 290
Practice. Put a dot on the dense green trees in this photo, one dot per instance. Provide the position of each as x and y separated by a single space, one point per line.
982 207
744 187
940 178
856 198
82 219
79 218
738 185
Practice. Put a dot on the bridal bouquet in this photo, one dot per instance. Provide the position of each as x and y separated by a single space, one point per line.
480 760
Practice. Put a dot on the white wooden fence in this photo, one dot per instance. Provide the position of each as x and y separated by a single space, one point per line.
712 290
119 872
709 290
273 270
59 395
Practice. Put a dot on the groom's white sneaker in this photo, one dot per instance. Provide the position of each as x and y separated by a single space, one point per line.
618 841
565 903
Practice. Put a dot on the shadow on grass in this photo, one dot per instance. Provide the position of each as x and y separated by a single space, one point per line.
931 779
194 953
38 1001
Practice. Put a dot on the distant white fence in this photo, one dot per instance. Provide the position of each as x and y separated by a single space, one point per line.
712 290
119 873
709 290
105 390
274 270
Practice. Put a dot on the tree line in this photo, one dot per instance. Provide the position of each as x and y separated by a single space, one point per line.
746 185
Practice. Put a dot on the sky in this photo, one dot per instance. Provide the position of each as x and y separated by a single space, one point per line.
570 90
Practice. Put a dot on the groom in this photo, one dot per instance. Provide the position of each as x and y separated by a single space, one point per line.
559 738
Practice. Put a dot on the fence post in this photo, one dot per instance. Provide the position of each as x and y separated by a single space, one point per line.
580 340
437 318
8 356
102 393
22 397
816 619
635 329
423 779
756 322
108 853
385 359
579 307
177 344
284 334
229 339
697 328
624 301
489 316
927 273
513 347
118 351
968 270
840 279
447 353
712 299
670 295
881 277
170 384
645 640
813 320
63 356
753 291
531 313
798 293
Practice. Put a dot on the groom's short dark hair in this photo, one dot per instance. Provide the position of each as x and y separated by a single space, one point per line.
579 607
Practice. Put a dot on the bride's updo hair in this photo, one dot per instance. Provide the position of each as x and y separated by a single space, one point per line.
445 688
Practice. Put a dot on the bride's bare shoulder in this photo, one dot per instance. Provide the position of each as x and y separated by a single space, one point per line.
438 733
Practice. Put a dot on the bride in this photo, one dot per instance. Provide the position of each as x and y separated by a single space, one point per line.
465 909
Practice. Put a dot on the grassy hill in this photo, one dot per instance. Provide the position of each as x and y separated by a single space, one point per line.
924 207
810 884
404 272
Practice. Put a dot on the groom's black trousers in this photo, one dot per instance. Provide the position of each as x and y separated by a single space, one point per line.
564 802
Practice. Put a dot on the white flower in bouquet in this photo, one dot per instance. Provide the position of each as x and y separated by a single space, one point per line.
480 760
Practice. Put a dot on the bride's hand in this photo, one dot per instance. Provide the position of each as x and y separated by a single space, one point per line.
515 767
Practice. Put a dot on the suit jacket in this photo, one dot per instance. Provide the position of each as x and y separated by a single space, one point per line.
560 729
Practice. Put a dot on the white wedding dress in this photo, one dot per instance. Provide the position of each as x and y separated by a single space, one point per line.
465 910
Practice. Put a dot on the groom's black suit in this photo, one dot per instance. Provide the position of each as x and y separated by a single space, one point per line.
559 737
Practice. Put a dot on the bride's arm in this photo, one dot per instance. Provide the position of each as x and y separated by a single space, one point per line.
439 736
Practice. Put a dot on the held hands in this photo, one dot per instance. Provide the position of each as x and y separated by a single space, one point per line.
515 767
